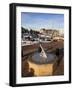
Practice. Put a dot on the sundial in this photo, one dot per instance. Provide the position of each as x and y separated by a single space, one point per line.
43 63
42 57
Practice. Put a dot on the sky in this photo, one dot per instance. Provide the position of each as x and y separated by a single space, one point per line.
37 21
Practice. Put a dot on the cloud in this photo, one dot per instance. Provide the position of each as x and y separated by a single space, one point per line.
40 20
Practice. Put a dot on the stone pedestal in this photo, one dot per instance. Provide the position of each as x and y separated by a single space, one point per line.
46 69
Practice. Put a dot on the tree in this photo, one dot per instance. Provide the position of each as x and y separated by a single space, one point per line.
23 31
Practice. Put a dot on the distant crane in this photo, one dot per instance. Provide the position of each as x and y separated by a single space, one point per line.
52 34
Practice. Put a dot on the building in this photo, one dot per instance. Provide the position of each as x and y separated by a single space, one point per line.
50 32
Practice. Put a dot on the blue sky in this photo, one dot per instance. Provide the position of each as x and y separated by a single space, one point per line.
42 20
